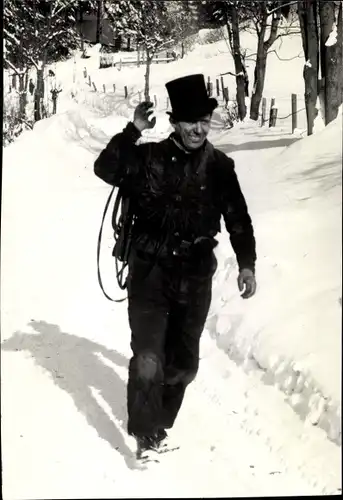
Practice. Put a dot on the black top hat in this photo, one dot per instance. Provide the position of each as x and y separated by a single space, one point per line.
189 99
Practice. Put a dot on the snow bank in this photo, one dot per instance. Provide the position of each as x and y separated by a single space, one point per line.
211 59
292 328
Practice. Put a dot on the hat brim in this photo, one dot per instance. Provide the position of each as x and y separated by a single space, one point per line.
194 114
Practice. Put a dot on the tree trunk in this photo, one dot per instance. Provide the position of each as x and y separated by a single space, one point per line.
22 97
147 76
261 58
182 50
259 77
309 32
237 57
331 61
98 21
81 25
246 77
39 94
340 52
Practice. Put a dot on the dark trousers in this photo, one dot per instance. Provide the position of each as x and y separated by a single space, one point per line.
168 307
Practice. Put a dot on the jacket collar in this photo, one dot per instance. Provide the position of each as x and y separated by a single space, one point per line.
177 141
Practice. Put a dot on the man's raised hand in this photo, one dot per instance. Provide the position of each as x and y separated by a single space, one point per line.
141 116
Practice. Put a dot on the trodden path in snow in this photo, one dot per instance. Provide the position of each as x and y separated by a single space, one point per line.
237 437
64 369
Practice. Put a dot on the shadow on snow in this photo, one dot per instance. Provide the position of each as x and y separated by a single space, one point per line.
75 367
255 145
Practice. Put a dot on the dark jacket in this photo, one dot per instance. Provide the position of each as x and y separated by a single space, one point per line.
178 196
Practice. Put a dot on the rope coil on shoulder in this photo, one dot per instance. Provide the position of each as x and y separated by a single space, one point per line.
119 273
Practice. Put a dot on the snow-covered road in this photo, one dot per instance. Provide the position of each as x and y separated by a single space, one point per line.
65 352
263 415
65 430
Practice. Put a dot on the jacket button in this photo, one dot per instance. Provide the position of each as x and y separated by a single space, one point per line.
174 158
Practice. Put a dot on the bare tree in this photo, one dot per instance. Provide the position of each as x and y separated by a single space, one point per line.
99 18
308 16
265 17
230 14
330 15
148 21
30 30
182 21
235 45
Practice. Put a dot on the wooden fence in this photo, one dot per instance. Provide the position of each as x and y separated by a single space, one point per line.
273 112
110 60
220 91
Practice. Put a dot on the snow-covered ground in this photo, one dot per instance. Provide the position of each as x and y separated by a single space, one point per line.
65 349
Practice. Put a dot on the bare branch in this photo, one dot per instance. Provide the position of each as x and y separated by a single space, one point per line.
16 70
273 31
33 61
165 43
287 58
63 6
51 37
232 74
277 55
269 12
28 124
9 35
257 27
280 35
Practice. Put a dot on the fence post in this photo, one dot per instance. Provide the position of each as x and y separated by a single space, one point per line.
125 90
272 102
167 102
226 95
264 110
104 86
155 100
273 117
85 72
114 87
211 89
95 87
217 86
140 95
222 84
294 113
89 80
209 85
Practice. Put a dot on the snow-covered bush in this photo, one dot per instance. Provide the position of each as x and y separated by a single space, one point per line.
13 126
212 36
230 114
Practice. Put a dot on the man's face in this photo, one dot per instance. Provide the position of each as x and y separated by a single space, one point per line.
193 134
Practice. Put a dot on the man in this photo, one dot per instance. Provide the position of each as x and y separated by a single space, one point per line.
178 188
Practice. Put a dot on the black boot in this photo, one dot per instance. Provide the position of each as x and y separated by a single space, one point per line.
160 436
150 443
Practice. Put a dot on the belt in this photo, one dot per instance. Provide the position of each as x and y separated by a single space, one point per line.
200 247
